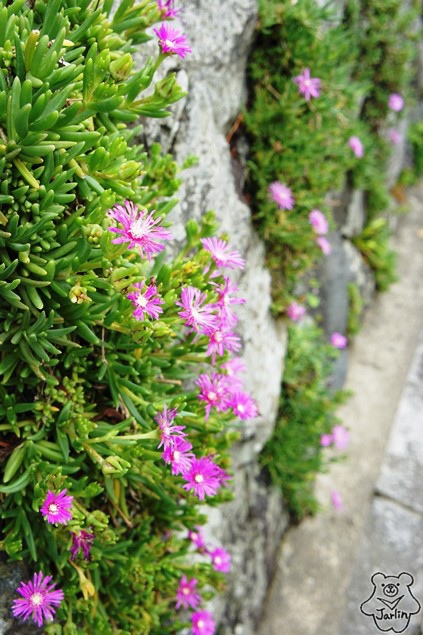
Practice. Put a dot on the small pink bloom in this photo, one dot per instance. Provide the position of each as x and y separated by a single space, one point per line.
394 136
243 405
179 455
222 254
220 340
81 542
281 194
308 86
336 501
395 102
341 437
203 623
204 477
56 507
324 245
197 313
139 229
318 221
147 302
225 300
38 599
221 560
169 432
295 311
197 537
326 440
187 596
213 391
356 146
338 340
167 9
172 41
233 368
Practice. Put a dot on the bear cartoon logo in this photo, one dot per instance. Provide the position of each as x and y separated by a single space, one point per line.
391 603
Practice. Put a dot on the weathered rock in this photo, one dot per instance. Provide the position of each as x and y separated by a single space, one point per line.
359 273
333 275
251 525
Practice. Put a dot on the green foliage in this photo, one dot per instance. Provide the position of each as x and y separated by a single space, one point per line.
293 456
355 309
81 379
415 136
360 61
373 243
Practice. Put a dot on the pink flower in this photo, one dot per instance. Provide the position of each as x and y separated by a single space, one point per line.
220 340
172 41
221 560
81 542
336 501
146 303
395 102
338 340
318 222
197 537
197 314
204 477
38 599
394 136
326 440
233 367
179 455
308 86
56 507
243 405
169 432
222 254
167 9
186 595
341 437
356 146
281 194
213 391
226 300
295 311
138 229
203 623
324 245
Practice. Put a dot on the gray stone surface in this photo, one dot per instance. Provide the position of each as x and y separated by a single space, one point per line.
359 273
250 527
393 543
402 472
333 275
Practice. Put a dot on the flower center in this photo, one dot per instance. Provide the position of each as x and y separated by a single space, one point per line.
53 509
211 396
241 408
138 228
200 624
198 478
170 44
218 560
142 301
185 590
176 455
36 599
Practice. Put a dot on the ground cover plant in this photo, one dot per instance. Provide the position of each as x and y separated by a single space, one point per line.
327 90
120 382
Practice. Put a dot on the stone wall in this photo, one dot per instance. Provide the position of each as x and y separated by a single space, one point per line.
251 526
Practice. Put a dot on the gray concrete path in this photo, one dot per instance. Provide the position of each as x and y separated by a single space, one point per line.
325 564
